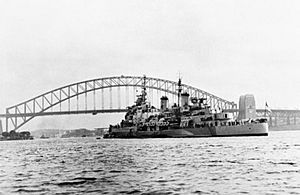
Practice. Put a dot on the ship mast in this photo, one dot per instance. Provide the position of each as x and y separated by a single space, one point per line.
144 93
179 91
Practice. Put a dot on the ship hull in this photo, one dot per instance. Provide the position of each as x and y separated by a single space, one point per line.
251 129
244 130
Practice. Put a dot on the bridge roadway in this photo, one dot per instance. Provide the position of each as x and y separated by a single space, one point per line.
260 111
64 113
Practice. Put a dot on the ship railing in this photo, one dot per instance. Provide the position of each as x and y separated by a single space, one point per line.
223 123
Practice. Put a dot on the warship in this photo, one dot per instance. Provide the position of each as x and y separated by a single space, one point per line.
190 117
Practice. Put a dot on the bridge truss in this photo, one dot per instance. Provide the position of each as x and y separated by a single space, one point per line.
20 114
281 117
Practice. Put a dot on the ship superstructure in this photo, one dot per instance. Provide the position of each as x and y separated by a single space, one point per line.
190 117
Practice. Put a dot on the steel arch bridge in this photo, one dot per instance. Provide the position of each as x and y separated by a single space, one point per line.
18 115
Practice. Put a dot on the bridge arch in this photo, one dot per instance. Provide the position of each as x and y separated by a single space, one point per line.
20 114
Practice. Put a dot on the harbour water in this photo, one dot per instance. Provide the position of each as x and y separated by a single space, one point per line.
215 165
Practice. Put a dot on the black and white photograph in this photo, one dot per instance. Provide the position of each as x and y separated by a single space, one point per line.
150 97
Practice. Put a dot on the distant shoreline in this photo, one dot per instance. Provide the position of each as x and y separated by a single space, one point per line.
285 128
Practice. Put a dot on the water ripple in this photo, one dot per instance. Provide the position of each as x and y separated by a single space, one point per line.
244 165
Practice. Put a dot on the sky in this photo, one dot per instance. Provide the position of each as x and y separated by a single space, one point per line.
227 48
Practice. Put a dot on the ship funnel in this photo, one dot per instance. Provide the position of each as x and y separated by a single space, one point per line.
247 107
164 103
184 99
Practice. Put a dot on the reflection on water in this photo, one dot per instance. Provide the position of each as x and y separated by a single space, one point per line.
221 165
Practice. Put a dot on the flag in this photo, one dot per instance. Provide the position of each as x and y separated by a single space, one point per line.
267 108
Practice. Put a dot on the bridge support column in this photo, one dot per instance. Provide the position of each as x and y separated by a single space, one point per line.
270 121
1 129
295 120
288 122
6 121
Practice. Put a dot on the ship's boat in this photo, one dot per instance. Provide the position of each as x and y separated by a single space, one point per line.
183 119
44 137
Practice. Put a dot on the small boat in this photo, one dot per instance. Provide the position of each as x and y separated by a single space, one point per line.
44 137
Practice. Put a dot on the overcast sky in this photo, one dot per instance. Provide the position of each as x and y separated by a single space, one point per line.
227 48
